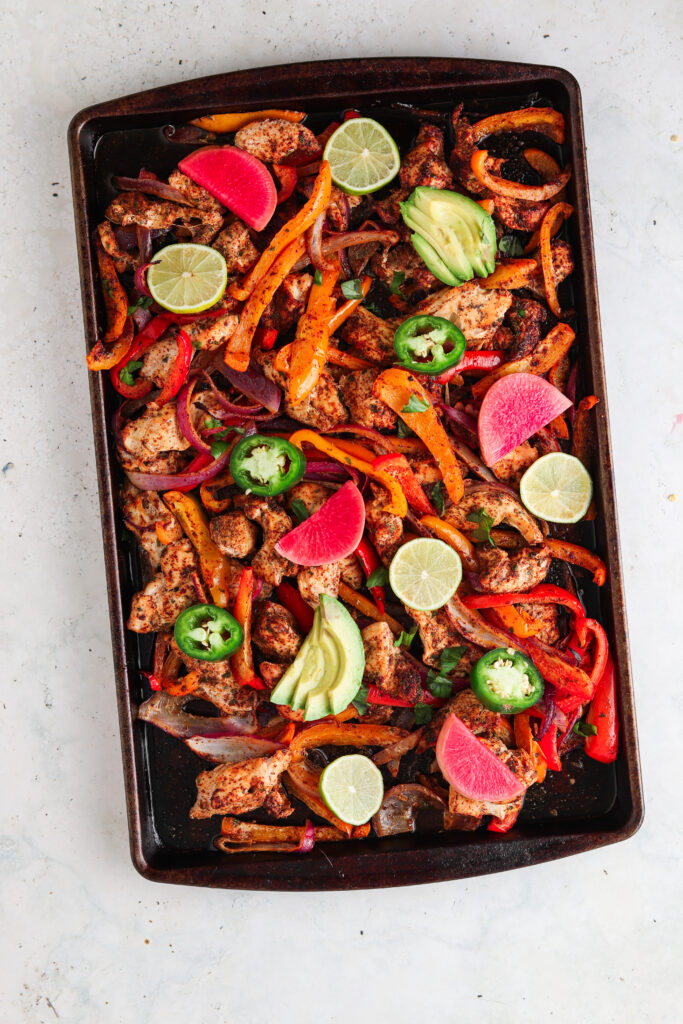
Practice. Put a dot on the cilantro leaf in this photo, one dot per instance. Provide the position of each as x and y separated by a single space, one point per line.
108 288
520 311
416 404
352 289
318 277
218 447
450 658
372 307
299 509
396 282
423 713
210 423
438 497
126 375
439 685
403 430
585 729
483 531
379 577
405 639
360 701
144 302
510 245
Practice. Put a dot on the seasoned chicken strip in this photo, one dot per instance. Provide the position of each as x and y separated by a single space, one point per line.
275 632
322 408
235 245
437 633
285 308
217 685
387 666
477 311
512 467
385 528
365 409
314 580
238 788
425 163
500 506
520 764
518 214
563 264
372 336
275 523
402 259
154 432
461 154
276 141
169 593
234 534
503 573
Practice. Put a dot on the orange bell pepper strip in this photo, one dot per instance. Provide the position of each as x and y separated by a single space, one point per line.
242 661
552 220
346 309
559 428
250 834
397 504
119 333
513 189
347 359
406 445
346 734
214 566
209 490
290 232
396 388
238 349
302 781
488 205
101 357
551 348
308 353
356 449
516 622
368 608
583 440
544 120
510 274
454 538
232 122
543 163
525 741
580 556
399 467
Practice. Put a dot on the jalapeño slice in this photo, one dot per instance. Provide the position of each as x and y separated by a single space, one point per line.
207 632
266 465
428 344
506 681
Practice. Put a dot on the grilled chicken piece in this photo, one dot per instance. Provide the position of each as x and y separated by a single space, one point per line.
372 336
276 141
501 507
154 432
563 264
311 495
207 213
210 332
511 468
275 523
321 409
477 311
461 154
547 615
234 534
518 214
503 573
239 788
165 462
275 632
217 685
385 528
142 511
365 409
351 572
235 245
285 308
389 210
529 321
402 259
438 633
168 593
425 163
387 666
271 673
123 260
314 580
138 209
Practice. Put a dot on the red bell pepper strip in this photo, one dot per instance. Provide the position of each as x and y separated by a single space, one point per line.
242 661
144 340
179 370
601 650
603 715
199 461
292 600
552 665
548 745
265 338
288 177
369 560
377 696
483 361
545 593
153 681
504 824
398 466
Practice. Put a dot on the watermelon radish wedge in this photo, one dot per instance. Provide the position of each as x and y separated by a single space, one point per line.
471 768
331 533
236 179
514 408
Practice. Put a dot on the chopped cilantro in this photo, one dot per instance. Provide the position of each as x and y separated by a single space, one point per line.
439 686
439 497
403 430
360 701
483 531
585 729
379 577
218 447
108 288
318 277
352 289
372 307
396 282
126 375
144 302
423 713
510 245
450 658
520 311
211 423
416 404
405 639
299 509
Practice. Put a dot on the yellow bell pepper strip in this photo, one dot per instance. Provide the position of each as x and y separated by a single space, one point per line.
346 309
368 608
510 274
359 451
552 220
551 348
406 445
334 734
513 189
221 124
309 348
208 493
525 741
347 359
580 556
402 391
402 471
238 349
278 838
113 292
454 538
290 232
397 504
242 661
531 119
214 566
100 357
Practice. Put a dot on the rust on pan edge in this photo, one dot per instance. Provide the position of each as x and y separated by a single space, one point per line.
421 857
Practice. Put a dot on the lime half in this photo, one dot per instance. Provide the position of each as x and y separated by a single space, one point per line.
557 487
425 573
362 156
187 278
353 788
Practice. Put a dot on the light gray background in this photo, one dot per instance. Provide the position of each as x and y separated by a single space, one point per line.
84 939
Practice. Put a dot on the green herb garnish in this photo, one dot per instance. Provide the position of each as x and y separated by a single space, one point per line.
584 728
403 430
299 509
405 639
144 302
379 577
483 531
360 701
126 375
510 245
396 282
438 495
352 289
218 447
318 277
423 713
416 404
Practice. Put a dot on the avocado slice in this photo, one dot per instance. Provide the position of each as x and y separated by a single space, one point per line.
431 257
327 672
459 231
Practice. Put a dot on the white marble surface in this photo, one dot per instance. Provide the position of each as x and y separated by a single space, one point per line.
84 938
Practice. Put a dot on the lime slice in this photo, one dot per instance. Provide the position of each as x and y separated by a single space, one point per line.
425 573
353 788
557 487
362 156
187 278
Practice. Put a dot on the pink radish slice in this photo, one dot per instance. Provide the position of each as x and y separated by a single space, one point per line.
514 408
236 179
331 533
471 768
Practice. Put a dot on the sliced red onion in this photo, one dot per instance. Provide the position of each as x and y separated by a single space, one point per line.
141 317
473 580
347 273
253 384
400 807
167 714
170 481
327 470
474 463
546 441
459 417
308 839
200 589
475 629
550 710
184 418
385 445
140 279
570 391
314 241
152 187
144 244
231 408
126 238
344 239
231 749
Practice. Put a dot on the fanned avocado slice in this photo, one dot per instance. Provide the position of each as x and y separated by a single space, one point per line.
458 231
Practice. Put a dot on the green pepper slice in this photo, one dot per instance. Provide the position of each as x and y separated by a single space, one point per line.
207 632
428 344
506 681
266 465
